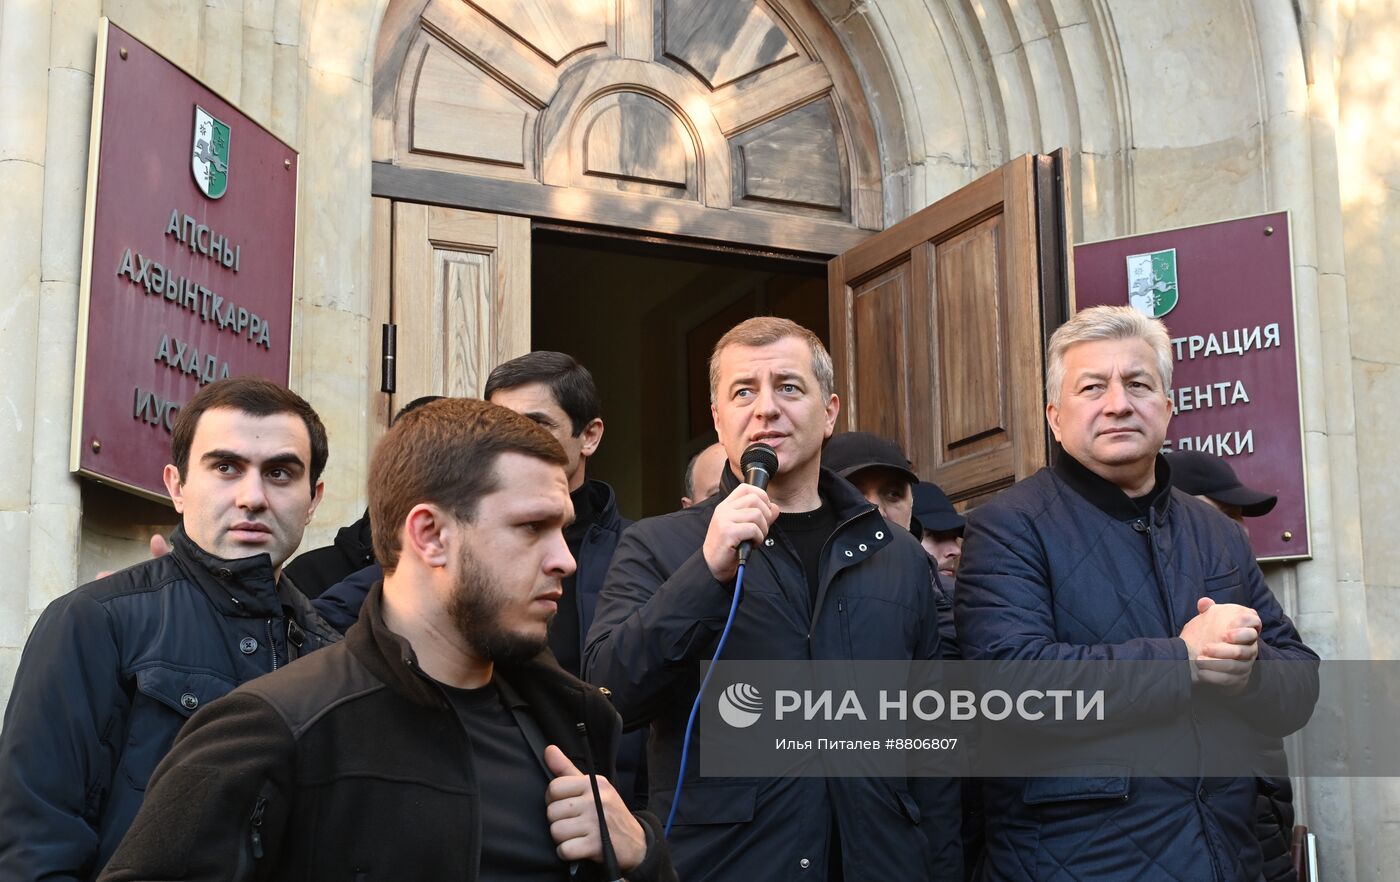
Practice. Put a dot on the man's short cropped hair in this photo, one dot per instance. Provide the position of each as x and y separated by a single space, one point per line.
445 453
414 405
255 397
569 382
1106 323
764 330
690 473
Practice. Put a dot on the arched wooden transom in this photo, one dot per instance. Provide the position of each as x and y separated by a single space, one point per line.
637 113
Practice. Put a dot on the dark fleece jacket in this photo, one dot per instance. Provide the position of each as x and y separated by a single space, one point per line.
352 766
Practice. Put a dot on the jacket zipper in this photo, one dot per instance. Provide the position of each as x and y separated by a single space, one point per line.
1144 527
845 627
821 589
272 643
256 821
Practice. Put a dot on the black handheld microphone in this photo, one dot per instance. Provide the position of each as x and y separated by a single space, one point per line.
759 464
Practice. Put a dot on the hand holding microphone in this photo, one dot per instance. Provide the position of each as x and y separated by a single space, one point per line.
744 517
741 519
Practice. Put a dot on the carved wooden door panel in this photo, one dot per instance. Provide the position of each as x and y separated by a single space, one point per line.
460 296
740 121
938 329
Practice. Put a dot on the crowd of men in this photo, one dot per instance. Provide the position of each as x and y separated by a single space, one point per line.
491 674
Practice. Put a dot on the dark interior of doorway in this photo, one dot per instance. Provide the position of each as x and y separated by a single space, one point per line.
643 317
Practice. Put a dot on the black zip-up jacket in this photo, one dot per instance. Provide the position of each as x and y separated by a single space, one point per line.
658 619
108 676
352 765
595 553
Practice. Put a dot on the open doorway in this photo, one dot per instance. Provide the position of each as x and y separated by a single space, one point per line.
643 318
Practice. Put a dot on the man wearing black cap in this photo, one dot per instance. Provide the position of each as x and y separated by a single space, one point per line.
878 468
939 528
1210 479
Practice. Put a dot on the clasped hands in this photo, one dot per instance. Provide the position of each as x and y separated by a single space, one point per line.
1222 642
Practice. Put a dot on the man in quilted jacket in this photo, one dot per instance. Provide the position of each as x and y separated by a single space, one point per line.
1098 558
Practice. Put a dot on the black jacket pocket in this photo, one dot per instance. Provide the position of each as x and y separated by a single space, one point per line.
164 698
716 803
1227 587
1105 782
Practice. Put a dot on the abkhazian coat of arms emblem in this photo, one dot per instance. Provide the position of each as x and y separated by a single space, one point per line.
1152 282
209 155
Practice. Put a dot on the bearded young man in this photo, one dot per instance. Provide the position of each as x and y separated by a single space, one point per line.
829 578
557 393
439 740
1098 558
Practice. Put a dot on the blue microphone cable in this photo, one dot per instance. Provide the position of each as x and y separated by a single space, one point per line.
699 696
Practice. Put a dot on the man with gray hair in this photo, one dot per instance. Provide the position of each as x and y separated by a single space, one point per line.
1097 558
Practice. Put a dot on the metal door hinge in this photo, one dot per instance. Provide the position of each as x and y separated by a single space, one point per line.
387 374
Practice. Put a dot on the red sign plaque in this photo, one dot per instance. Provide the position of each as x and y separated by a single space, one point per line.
188 252
1225 291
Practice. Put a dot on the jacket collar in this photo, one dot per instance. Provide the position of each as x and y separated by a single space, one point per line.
595 506
604 501
556 700
834 490
242 586
1107 497
355 540
843 496
388 656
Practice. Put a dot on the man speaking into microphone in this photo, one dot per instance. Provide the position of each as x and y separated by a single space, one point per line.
827 578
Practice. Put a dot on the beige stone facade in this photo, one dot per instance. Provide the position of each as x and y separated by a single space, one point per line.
1176 112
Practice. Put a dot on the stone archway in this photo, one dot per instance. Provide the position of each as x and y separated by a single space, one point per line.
737 122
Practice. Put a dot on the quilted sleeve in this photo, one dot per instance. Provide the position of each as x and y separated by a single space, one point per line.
1283 687
1004 611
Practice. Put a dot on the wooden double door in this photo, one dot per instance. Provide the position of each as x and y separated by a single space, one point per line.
937 324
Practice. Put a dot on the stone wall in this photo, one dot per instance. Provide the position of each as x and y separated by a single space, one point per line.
295 68
1364 39
1368 110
